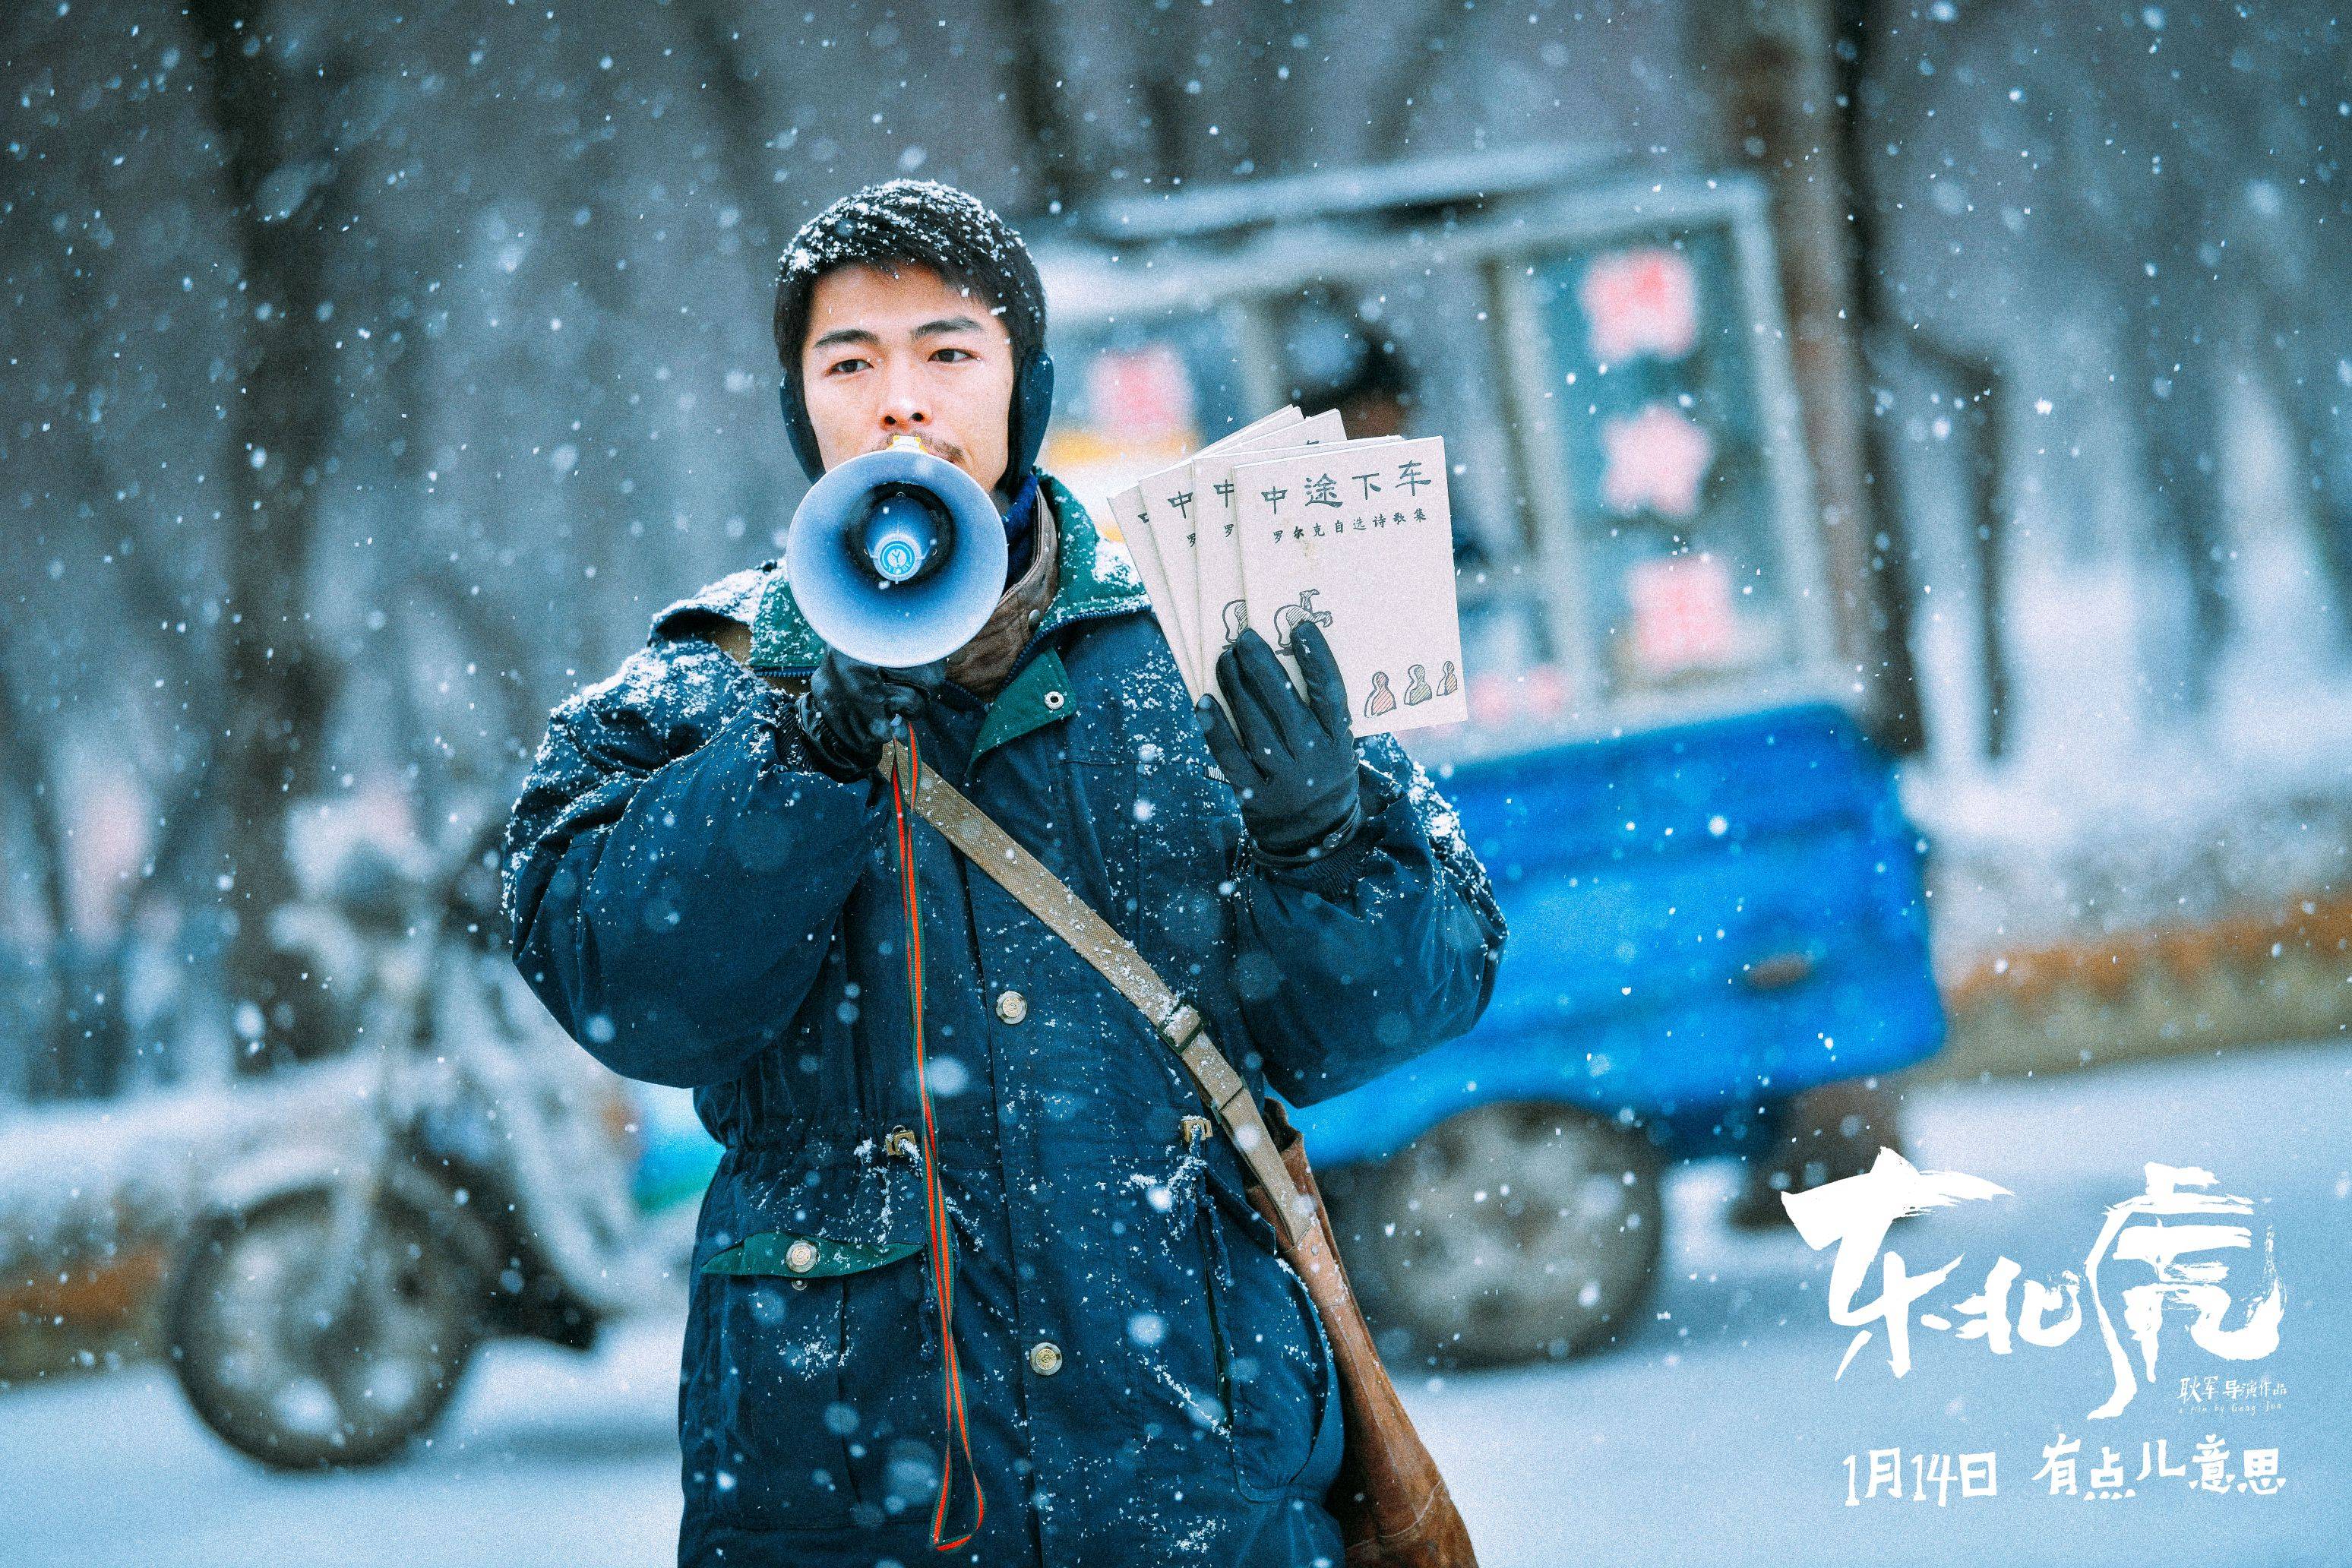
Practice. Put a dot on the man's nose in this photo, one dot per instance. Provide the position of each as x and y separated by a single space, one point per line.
904 406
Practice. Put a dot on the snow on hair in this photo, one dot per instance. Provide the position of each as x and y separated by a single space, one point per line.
952 232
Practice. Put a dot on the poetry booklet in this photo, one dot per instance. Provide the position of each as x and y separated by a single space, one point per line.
1207 487
1167 571
1285 519
1358 538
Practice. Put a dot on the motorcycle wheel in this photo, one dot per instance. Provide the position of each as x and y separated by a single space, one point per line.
1512 1232
349 1392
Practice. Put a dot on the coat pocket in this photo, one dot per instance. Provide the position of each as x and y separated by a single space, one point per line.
810 1345
1279 1378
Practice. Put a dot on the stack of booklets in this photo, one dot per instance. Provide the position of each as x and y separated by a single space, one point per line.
1287 520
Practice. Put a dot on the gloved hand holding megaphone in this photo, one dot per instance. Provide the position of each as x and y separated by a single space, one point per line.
896 559
851 710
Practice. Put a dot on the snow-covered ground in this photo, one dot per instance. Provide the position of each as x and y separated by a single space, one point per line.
1718 1437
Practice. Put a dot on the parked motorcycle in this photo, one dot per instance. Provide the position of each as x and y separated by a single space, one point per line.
328 1297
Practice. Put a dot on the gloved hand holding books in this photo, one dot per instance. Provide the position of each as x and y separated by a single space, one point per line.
1286 521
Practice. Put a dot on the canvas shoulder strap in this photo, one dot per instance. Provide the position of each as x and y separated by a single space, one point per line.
1178 1024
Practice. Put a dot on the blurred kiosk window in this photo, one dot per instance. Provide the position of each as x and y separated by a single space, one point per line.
1658 433
1633 528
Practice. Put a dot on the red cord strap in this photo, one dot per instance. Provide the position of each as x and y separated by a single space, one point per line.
935 1205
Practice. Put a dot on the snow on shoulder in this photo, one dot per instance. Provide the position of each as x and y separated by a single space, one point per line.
734 597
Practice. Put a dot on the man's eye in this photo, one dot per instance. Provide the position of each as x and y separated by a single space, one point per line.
959 353
841 367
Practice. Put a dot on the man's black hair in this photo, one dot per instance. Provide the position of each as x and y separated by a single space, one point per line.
953 234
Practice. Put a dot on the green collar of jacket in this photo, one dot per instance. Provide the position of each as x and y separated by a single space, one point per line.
1091 581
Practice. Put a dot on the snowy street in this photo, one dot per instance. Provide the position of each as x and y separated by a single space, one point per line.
1717 1437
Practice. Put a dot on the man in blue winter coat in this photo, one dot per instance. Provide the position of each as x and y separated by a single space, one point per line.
703 887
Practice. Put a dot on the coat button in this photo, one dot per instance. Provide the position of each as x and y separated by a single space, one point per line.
1011 1006
1044 1358
901 1143
1054 701
800 1257
1192 1129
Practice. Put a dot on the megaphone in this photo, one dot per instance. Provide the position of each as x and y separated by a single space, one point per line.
896 558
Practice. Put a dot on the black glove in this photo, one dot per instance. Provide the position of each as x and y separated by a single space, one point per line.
1293 762
851 710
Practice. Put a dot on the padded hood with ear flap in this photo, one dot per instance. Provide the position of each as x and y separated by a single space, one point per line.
958 236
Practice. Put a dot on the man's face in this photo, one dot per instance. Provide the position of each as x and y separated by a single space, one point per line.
905 353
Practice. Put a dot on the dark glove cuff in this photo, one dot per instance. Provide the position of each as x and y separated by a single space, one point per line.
1332 876
826 749
1318 847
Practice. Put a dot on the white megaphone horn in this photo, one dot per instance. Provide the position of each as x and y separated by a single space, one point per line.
896 558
